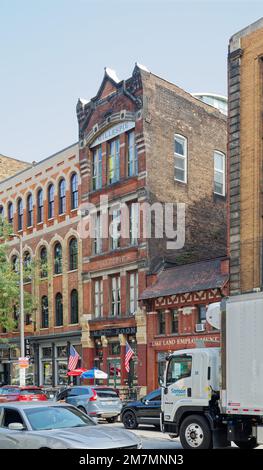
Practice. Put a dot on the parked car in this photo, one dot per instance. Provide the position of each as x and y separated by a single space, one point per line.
27 393
144 411
96 401
49 425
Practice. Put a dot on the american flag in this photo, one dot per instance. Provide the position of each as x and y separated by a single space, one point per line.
128 355
73 358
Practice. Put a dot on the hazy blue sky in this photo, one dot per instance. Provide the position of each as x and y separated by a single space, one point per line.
54 51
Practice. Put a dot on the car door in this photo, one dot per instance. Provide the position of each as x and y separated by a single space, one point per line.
150 411
11 439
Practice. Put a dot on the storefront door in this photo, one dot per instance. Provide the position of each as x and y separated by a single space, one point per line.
114 372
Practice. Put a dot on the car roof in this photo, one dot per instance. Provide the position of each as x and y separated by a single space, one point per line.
26 387
17 404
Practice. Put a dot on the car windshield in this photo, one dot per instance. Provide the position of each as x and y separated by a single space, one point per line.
56 417
5 391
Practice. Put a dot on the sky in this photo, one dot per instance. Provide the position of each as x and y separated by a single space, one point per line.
54 51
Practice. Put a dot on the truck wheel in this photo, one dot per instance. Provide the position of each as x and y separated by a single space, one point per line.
250 444
195 433
129 420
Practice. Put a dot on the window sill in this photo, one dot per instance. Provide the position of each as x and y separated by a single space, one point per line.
57 274
73 271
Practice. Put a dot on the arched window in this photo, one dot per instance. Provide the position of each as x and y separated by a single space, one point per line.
20 214
59 310
29 210
44 312
1 212
57 258
73 254
74 191
62 196
40 206
14 262
50 196
27 267
74 307
43 262
10 213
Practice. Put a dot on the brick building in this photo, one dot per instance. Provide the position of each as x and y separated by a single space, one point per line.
143 140
176 305
41 202
245 73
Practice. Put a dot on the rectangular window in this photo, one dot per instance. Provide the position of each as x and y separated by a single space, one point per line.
115 296
132 155
219 173
161 321
133 293
175 321
201 313
98 234
98 298
97 168
114 161
180 158
134 223
116 227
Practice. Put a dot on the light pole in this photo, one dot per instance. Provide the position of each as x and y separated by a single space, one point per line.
22 371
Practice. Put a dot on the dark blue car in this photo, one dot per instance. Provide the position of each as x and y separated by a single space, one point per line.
144 411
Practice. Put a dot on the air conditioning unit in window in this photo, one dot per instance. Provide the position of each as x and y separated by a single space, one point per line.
200 327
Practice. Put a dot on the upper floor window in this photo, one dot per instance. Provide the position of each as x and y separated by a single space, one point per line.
57 258
174 321
74 307
134 223
114 161
20 211
201 313
29 210
132 155
219 173
74 191
62 196
180 158
51 201
161 323
1 212
43 262
40 206
115 229
97 168
115 296
73 254
98 298
44 312
27 267
59 309
10 213
133 294
15 263
97 244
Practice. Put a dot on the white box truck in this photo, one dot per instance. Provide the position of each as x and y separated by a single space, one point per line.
212 396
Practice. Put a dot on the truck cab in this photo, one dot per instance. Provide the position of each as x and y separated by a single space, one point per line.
191 385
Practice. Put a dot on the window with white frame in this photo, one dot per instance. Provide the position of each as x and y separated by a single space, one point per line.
132 155
134 222
115 229
114 161
98 298
97 168
219 173
180 158
133 292
115 296
97 234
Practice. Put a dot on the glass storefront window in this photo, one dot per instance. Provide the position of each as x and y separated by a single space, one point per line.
62 369
47 372
62 351
46 352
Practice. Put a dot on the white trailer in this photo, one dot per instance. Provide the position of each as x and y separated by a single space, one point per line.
211 396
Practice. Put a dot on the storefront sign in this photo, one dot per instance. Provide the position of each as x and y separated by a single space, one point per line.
23 362
113 132
170 342
114 332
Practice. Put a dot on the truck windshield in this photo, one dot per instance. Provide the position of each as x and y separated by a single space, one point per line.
179 367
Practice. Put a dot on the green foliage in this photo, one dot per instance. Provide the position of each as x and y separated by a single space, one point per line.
9 283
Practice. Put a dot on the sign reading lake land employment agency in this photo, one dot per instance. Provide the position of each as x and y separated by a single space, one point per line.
113 132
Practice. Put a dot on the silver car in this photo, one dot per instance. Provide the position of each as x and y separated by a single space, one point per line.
96 401
48 425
